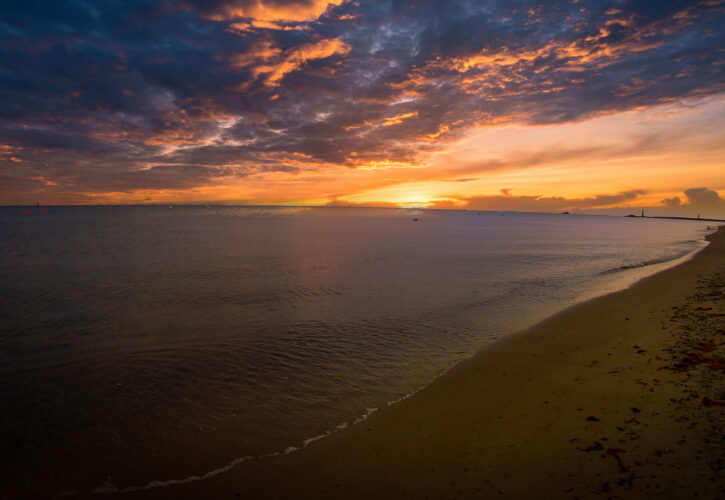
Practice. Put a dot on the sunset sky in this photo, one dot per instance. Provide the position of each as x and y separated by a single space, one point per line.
593 106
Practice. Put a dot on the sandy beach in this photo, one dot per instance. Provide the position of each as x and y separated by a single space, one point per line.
618 397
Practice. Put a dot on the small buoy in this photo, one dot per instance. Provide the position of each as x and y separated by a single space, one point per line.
27 212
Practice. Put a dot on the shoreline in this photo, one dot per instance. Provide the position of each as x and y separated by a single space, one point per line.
393 452
629 277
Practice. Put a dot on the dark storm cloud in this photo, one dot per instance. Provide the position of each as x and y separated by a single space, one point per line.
699 198
93 93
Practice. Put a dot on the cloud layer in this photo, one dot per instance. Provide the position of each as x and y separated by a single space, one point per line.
121 96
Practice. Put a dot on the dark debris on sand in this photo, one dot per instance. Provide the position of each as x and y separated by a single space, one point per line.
694 371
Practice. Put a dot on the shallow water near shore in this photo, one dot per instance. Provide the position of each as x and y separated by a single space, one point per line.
158 343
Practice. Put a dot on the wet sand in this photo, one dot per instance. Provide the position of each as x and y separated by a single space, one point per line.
619 397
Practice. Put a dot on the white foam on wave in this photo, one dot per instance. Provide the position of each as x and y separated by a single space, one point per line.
365 415
109 489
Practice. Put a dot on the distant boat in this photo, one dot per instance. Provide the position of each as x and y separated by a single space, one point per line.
565 213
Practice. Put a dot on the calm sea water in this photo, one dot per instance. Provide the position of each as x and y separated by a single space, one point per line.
156 343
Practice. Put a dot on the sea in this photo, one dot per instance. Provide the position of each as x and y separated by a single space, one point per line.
142 346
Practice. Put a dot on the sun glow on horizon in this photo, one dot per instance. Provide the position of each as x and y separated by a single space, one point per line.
652 153
316 102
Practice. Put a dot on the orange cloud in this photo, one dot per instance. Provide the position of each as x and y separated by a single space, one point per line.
7 152
397 119
577 52
506 71
442 130
259 24
356 126
503 58
265 59
261 10
181 128
261 51
44 181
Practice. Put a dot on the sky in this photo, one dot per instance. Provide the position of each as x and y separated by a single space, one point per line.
589 106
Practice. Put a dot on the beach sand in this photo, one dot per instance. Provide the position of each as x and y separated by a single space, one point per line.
619 397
